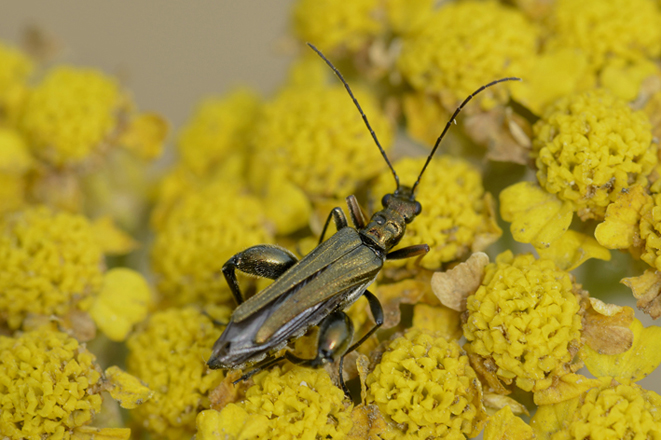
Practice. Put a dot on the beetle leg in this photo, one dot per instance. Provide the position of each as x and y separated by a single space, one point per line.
264 260
340 222
272 360
357 214
377 314
408 252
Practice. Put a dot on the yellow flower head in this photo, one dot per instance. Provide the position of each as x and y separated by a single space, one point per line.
291 402
70 114
606 29
650 227
615 410
218 128
315 138
15 67
329 24
524 318
169 354
47 385
198 236
590 146
426 386
50 261
463 46
456 214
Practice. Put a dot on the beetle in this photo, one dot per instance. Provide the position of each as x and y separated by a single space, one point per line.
315 290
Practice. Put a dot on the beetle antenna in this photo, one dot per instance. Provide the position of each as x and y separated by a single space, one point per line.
355 101
452 119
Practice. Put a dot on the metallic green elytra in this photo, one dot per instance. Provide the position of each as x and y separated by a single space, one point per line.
315 290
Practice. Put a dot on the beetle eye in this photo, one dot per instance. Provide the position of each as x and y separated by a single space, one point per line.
386 200
418 208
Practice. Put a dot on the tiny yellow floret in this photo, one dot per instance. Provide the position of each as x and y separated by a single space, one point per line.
124 300
47 386
524 319
425 385
128 390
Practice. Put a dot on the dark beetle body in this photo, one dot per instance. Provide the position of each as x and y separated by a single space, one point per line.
329 278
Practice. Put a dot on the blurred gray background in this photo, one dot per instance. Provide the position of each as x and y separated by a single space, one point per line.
171 54
168 53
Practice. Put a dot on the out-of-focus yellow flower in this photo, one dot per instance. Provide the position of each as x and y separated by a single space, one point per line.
317 139
590 146
291 402
169 354
524 319
493 41
48 385
457 215
145 135
70 114
198 236
124 300
615 410
15 68
15 161
407 16
218 129
15 158
50 261
425 385
125 388
552 76
330 25
607 29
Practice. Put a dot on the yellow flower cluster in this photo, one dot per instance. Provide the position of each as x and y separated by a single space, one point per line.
169 355
219 128
525 319
457 215
607 30
331 25
198 236
315 138
589 147
464 45
426 387
48 385
613 410
70 114
288 402
50 262
15 68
